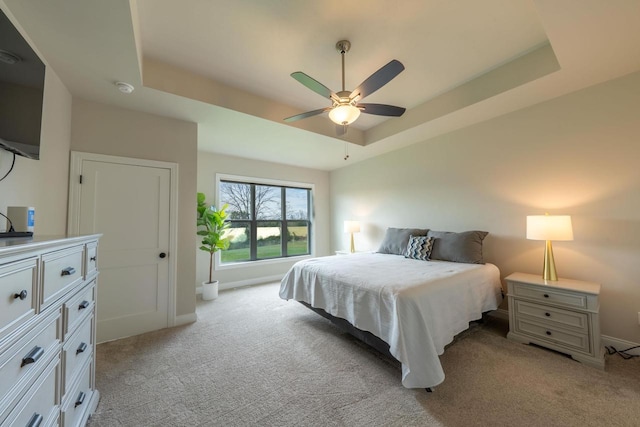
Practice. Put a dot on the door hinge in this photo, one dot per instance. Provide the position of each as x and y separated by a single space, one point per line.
80 179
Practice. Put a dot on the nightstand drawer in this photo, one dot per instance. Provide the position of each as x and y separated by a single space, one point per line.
550 296
576 341
552 315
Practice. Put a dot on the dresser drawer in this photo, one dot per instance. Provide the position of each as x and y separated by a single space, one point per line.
61 270
76 351
92 258
550 333
77 308
18 285
20 362
550 296
39 407
76 402
552 315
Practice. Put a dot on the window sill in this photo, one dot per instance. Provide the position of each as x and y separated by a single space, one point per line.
245 264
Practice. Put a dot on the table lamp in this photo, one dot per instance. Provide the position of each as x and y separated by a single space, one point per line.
549 227
352 227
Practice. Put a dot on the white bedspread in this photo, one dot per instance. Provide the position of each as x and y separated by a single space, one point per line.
417 307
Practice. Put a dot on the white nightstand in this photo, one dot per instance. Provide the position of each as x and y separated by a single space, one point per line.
562 315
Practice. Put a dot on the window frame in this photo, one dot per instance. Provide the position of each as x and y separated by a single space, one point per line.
254 221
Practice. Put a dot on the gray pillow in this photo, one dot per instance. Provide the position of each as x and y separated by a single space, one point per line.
396 239
458 247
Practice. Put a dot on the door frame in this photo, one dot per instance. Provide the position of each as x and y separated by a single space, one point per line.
73 216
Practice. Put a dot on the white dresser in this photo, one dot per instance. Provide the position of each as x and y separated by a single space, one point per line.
47 331
562 315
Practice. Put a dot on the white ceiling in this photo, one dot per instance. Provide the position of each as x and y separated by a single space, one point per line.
226 64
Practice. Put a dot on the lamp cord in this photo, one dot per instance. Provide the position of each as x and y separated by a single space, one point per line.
622 353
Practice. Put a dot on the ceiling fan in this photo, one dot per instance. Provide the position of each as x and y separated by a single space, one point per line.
346 106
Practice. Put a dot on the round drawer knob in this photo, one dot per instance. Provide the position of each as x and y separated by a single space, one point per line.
548 332
548 314
162 255
546 295
22 295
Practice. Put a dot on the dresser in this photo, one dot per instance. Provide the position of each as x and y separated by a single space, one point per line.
562 315
47 330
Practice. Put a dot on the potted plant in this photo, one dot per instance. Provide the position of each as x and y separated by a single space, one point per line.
212 224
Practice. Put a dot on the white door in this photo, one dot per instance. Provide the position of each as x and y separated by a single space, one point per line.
129 202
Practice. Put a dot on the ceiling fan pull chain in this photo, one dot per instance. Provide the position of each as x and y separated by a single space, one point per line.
346 150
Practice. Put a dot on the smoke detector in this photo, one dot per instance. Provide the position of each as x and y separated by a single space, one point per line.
124 87
9 57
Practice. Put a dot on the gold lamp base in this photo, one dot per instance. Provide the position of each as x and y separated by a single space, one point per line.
549 267
353 247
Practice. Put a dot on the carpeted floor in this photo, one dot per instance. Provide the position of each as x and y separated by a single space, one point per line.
255 360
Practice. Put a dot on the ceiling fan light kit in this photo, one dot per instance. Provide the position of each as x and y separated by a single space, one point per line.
345 108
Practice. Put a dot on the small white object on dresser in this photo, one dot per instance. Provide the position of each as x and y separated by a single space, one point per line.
47 330
562 315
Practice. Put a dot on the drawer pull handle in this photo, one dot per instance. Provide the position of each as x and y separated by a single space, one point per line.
548 314
84 304
22 295
80 399
546 295
35 420
81 348
68 271
33 356
93 258
548 332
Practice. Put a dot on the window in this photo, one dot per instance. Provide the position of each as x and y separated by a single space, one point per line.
267 220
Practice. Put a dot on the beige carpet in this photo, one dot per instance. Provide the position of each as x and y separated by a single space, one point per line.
253 359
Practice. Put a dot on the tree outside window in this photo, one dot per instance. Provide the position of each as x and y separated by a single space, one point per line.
267 221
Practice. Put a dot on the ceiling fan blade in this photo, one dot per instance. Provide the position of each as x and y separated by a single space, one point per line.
382 109
378 79
307 114
312 84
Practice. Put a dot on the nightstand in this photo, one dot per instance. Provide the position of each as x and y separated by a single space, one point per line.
562 315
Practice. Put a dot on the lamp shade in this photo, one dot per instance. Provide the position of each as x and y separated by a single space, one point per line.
549 227
351 227
344 114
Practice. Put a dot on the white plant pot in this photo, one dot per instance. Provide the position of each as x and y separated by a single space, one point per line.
210 290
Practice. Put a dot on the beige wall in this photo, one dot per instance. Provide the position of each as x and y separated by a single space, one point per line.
209 164
102 129
575 155
43 183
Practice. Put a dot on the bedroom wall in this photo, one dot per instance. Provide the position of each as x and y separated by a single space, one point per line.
102 129
43 183
577 155
209 164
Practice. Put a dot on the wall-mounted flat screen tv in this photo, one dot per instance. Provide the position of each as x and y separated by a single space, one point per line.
21 92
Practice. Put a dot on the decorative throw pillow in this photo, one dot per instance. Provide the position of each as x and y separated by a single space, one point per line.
396 239
419 247
458 247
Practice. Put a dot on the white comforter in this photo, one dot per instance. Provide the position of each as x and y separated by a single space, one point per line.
417 307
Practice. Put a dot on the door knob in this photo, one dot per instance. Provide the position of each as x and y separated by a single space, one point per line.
163 255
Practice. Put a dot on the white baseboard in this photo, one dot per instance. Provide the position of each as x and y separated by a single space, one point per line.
620 345
185 319
241 283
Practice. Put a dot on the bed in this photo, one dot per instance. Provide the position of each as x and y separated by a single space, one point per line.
415 306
